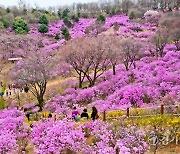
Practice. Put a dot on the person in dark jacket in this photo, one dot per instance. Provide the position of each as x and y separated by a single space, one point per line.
84 114
28 115
94 114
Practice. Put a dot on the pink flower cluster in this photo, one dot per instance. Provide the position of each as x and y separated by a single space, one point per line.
12 130
63 136
151 80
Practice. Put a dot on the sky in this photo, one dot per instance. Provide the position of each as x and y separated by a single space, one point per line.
43 3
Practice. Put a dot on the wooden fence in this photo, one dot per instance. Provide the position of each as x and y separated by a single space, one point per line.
173 110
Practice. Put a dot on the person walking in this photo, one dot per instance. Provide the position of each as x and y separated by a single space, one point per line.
94 114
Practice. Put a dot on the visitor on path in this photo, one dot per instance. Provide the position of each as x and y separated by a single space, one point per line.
94 114
84 114
27 113
75 114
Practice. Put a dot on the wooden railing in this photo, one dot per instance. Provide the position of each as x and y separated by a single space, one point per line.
158 110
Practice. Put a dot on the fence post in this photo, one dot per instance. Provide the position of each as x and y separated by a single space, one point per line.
162 109
104 116
128 112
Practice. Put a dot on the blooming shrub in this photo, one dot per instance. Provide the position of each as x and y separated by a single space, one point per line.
59 137
7 142
63 136
13 131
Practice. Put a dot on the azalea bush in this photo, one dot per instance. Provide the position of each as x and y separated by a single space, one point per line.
91 137
59 137
13 131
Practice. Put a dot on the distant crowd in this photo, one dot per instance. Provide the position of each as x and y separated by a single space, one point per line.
76 115
84 114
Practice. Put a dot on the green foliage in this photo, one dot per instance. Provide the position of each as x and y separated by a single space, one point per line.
4 22
65 33
50 17
65 13
3 88
67 36
113 12
20 26
67 22
75 18
20 30
59 14
43 20
1 25
46 12
1 103
64 30
78 14
132 16
8 10
33 10
43 28
57 37
1 98
101 18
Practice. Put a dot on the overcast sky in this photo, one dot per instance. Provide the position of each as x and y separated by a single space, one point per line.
44 3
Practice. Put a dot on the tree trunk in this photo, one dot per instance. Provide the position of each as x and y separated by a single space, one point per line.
161 52
134 64
114 70
40 102
126 66
80 80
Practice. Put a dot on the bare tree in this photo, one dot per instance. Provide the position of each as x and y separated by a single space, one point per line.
35 70
99 57
159 40
129 52
126 4
112 45
16 45
88 58
79 57
175 37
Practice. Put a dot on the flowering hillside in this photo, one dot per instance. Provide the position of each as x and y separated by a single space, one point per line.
151 81
112 65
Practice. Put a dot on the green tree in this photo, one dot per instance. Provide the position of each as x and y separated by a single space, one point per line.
43 20
67 22
57 37
65 33
75 18
101 18
132 15
4 22
59 14
43 28
8 10
65 13
1 25
20 26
